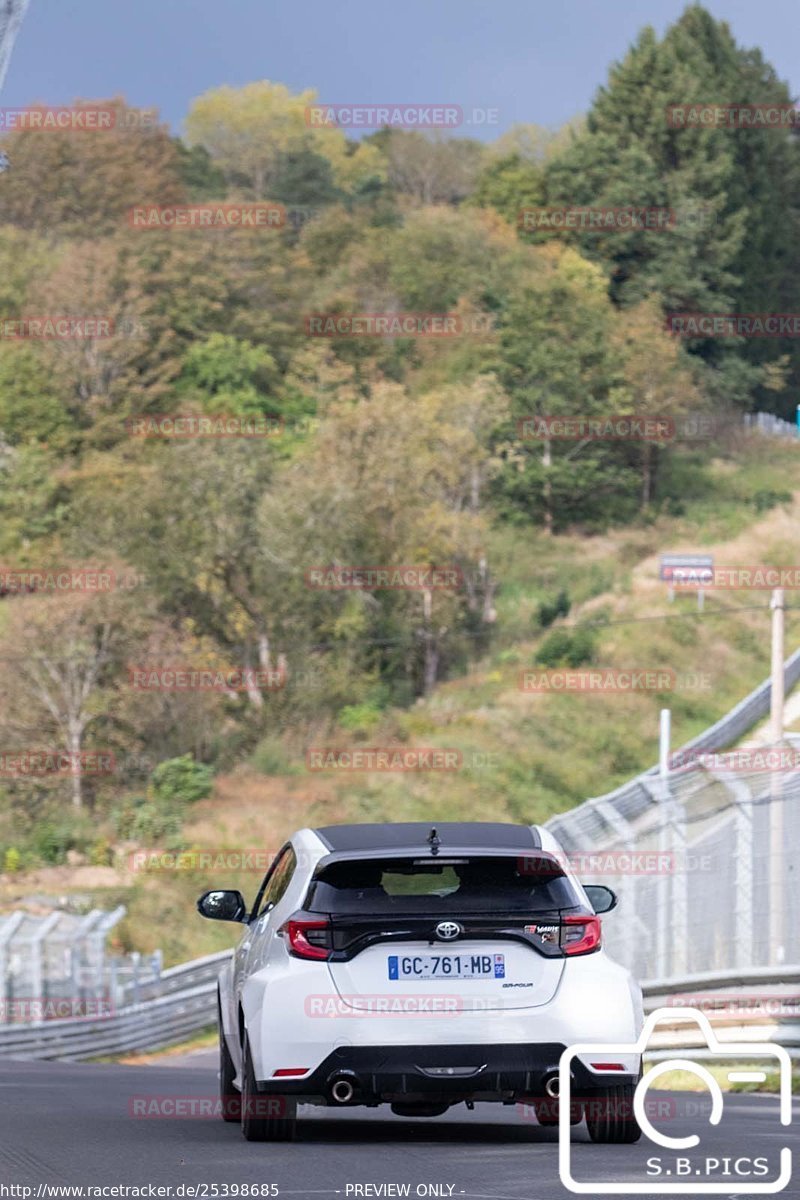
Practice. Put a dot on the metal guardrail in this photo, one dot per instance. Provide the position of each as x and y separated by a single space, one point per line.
193 974
738 1006
635 798
166 1019
188 1007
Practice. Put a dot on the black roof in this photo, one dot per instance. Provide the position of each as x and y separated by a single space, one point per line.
414 836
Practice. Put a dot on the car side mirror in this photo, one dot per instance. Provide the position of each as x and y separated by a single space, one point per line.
226 905
602 898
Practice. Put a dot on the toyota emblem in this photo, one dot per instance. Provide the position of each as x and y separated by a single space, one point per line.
447 930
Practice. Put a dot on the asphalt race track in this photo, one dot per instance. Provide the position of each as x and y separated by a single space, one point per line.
71 1124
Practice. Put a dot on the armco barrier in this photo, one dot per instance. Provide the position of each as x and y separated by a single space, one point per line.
188 1007
760 1005
635 797
193 974
180 1014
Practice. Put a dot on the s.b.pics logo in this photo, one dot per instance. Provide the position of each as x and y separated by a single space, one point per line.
749 1161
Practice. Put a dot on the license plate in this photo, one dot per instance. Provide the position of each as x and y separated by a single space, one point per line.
447 966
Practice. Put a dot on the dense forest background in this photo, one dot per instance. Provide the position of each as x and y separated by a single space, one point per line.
393 450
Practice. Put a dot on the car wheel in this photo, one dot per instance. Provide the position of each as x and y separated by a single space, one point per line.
547 1111
264 1118
609 1115
229 1098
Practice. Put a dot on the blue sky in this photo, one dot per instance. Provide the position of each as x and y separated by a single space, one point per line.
530 60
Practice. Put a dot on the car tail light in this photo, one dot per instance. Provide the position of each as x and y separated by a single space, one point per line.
580 935
308 939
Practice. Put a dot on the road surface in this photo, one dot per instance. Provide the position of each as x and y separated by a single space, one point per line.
71 1124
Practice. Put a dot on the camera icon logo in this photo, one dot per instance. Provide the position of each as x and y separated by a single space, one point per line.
688 1176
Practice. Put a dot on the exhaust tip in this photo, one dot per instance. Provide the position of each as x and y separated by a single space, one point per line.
342 1091
343 1087
552 1086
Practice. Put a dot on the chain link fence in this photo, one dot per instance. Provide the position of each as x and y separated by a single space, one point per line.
705 860
58 966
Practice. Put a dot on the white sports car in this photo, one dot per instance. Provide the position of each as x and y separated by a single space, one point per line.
421 967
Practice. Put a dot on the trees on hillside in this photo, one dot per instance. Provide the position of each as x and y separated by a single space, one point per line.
734 191
81 182
396 450
268 145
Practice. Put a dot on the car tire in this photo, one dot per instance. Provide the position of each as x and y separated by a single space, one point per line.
229 1098
257 1124
609 1115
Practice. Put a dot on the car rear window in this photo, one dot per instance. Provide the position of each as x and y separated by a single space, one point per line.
467 885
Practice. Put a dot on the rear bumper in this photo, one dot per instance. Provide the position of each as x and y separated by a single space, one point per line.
428 1072
597 1001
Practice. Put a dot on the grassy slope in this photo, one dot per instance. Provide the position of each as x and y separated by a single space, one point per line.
545 753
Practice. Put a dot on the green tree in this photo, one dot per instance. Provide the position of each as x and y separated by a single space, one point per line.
82 182
407 477
509 184
231 375
433 169
261 136
556 359
734 191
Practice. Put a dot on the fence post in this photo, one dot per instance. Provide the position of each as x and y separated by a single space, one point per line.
99 934
6 934
38 982
627 838
77 951
744 937
679 910
135 960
